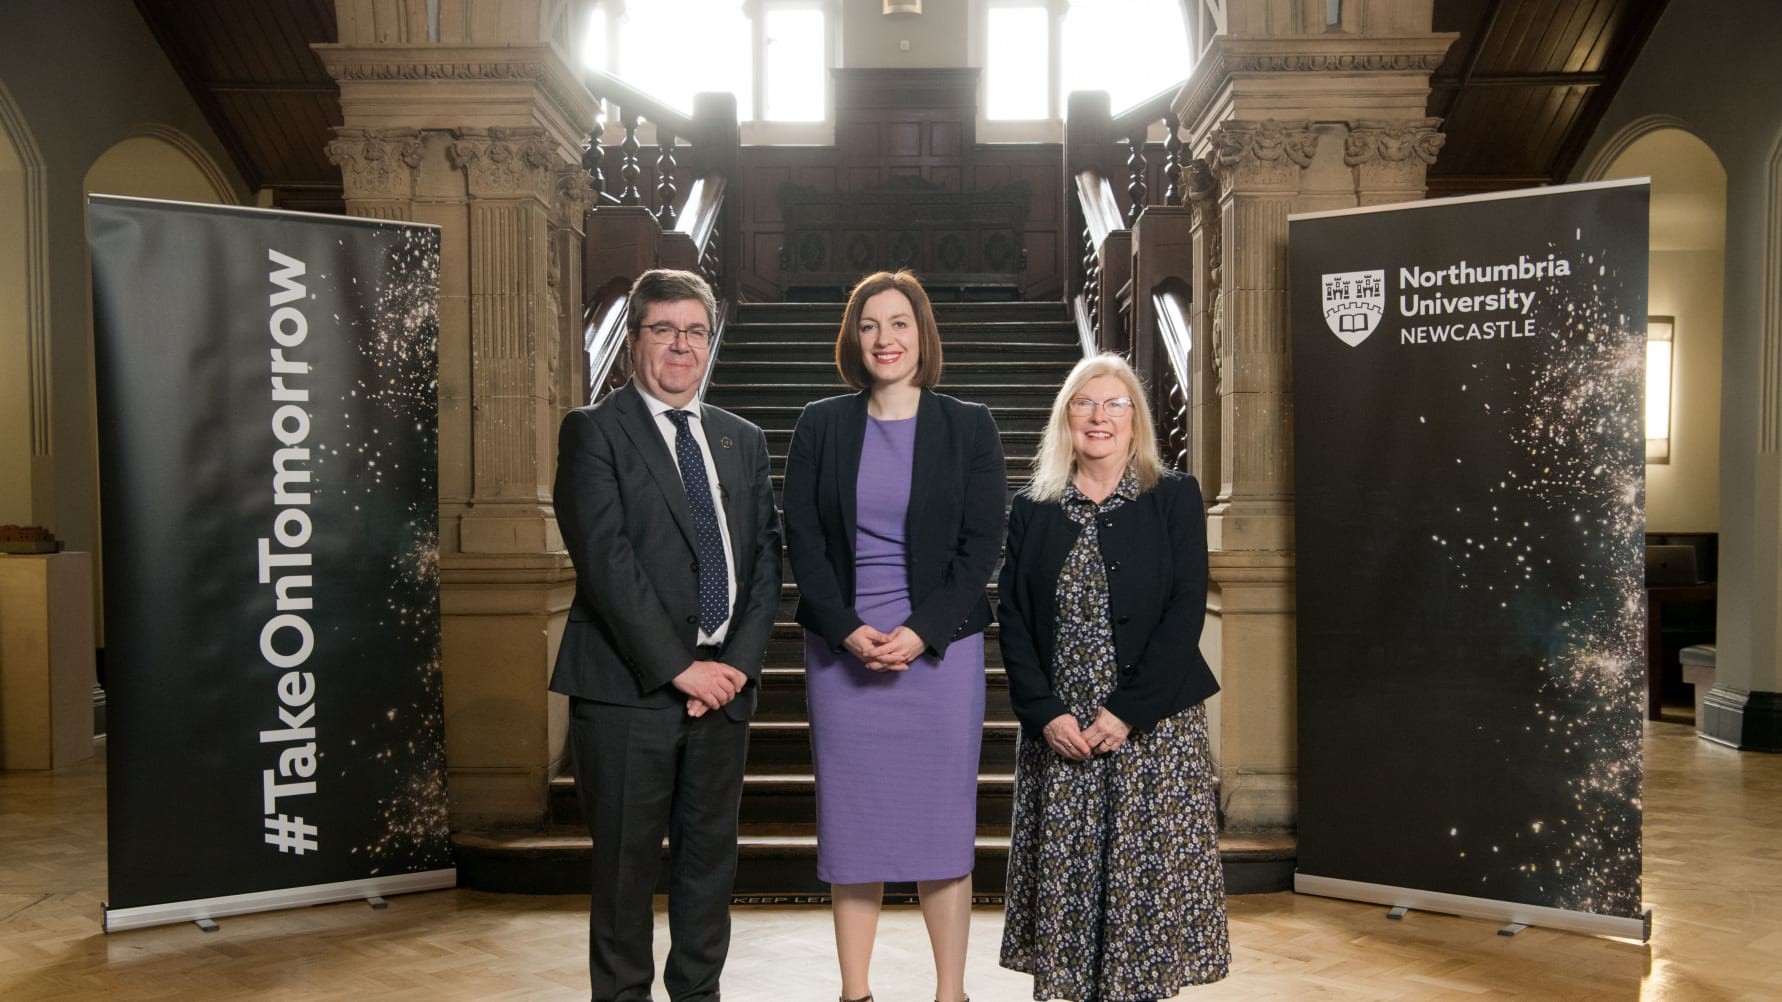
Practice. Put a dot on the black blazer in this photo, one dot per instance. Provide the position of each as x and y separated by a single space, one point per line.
952 531
1155 549
623 512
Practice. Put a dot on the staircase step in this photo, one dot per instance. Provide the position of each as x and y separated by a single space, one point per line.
782 681
781 746
1028 310
790 798
778 863
738 346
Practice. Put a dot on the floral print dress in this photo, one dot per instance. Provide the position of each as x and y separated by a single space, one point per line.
1115 890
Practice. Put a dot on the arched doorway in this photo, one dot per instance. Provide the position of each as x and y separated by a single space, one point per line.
156 162
1687 284
24 327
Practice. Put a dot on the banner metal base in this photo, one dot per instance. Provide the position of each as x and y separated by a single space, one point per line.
1511 912
207 910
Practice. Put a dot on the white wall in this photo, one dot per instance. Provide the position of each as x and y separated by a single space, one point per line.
1684 494
939 36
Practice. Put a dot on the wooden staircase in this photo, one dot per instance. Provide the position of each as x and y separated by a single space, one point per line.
774 359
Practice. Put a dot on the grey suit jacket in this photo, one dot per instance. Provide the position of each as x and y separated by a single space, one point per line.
625 522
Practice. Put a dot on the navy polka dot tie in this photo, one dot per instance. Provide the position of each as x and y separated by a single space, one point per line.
714 584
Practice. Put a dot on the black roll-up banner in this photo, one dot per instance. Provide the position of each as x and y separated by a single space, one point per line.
267 398
1470 496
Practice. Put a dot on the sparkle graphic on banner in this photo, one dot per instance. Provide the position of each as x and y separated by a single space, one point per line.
397 341
1577 439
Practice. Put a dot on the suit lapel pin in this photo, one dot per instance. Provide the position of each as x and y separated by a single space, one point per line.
725 441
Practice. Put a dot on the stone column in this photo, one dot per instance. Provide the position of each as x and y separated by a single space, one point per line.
1258 167
1286 114
470 116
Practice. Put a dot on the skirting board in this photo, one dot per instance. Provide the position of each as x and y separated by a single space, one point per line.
118 919
1459 904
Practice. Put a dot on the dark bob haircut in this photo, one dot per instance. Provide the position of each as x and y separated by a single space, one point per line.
849 360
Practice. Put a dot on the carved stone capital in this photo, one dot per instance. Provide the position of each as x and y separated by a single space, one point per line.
376 163
1266 155
1393 142
1392 157
506 163
575 196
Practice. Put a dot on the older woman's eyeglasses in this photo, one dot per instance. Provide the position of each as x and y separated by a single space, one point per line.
1113 406
698 337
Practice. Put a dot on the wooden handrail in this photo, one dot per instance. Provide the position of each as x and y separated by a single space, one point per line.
1101 213
1173 329
610 88
1079 311
1148 112
712 354
603 337
699 217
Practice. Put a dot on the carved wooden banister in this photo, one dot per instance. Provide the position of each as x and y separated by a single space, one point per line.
655 217
1169 388
1107 266
603 338
1133 242
699 217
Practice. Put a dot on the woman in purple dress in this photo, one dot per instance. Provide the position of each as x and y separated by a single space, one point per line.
894 504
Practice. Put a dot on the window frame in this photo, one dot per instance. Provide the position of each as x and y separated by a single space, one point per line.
755 127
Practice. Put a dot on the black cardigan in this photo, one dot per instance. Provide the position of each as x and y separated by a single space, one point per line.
952 532
1155 550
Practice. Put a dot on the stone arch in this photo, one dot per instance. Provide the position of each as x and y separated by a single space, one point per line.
24 319
1604 159
151 161
1687 280
159 161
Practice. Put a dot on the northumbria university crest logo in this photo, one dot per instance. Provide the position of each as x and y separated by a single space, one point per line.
1353 304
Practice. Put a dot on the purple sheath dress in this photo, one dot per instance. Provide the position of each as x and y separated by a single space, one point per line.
896 752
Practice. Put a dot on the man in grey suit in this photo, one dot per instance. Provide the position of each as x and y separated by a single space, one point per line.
668 515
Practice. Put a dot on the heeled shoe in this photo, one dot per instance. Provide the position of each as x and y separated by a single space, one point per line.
864 998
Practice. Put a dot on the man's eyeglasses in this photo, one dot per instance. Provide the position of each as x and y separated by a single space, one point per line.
697 336
1113 407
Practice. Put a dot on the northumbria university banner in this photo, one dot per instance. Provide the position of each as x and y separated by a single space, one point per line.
1470 487
267 438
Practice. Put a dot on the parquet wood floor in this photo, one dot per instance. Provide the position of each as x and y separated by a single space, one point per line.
1713 879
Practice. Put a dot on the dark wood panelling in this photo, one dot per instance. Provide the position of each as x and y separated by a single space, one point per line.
1526 83
250 69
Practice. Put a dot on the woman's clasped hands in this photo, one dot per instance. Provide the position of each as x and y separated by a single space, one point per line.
1105 734
881 651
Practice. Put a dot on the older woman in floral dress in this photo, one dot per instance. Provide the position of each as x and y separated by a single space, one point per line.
1114 885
